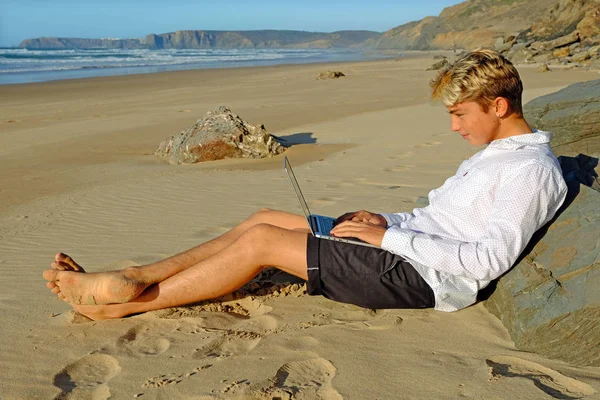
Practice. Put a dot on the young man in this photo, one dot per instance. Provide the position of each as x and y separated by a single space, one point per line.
475 227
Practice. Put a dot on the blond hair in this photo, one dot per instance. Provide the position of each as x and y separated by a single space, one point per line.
479 76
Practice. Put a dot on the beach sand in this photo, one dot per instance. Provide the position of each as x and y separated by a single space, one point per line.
79 176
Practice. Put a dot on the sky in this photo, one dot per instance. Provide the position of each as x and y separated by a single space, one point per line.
23 19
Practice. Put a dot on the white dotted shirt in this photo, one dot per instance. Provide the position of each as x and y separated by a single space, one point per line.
480 220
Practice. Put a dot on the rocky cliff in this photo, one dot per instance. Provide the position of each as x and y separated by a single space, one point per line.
77 43
192 39
479 23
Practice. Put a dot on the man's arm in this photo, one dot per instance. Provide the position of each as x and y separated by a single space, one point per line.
523 204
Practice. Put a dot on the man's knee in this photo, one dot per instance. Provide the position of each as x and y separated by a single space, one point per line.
259 238
262 214
259 231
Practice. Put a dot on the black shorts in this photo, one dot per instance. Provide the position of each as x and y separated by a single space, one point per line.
365 276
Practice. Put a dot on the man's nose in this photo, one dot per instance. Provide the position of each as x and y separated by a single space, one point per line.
454 125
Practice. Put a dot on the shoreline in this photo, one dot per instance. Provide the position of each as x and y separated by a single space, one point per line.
384 55
111 71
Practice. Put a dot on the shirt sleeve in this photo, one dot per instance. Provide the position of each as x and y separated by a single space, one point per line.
397 218
526 200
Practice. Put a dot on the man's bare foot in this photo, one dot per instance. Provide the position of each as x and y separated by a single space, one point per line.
63 262
101 312
69 282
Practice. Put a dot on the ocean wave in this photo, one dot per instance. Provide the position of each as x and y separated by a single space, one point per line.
22 65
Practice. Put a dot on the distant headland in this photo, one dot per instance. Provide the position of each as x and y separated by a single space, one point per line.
199 39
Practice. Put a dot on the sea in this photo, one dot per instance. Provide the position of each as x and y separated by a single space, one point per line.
25 66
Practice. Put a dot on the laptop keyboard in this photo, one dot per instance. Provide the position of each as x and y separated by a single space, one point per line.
325 224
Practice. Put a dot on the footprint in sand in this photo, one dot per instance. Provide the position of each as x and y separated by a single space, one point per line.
546 379
341 184
399 168
310 379
171 379
325 201
401 155
427 144
87 378
241 337
138 342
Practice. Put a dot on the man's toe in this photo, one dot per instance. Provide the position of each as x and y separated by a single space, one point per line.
51 274
57 265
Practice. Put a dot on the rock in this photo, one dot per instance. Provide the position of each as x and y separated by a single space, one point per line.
498 43
581 56
544 58
521 55
550 300
594 51
562 41
219 134
562 52
331 75
543 68
503 45
572 115
438 65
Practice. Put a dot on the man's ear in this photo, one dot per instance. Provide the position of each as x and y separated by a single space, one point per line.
502 107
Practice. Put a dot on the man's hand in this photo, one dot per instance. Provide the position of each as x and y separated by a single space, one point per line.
362 216
365 231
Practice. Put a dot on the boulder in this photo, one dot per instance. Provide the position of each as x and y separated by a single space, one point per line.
544 58
562 52
331 75
572 115
581 56
219 134
438 65
502 45
562 41
543 68
521 54
550 300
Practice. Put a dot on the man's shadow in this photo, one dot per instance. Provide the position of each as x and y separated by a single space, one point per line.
577 171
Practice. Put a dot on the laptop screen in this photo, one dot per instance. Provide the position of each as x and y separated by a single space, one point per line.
288 167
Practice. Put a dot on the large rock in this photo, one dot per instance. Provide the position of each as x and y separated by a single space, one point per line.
550 300
572 115
219 134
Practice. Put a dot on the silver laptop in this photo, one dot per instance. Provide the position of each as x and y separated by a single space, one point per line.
320 226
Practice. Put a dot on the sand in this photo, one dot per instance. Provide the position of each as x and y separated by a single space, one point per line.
79 176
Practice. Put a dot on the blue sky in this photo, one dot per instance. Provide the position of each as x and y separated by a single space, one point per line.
22 19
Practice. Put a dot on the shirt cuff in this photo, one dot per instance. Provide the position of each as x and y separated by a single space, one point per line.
396 240
392 219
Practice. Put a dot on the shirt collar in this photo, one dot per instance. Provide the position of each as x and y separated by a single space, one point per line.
518 141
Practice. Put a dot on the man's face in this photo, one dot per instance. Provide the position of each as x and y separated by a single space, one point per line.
474 124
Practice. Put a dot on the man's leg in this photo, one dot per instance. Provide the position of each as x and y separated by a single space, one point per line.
260 246
136 279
